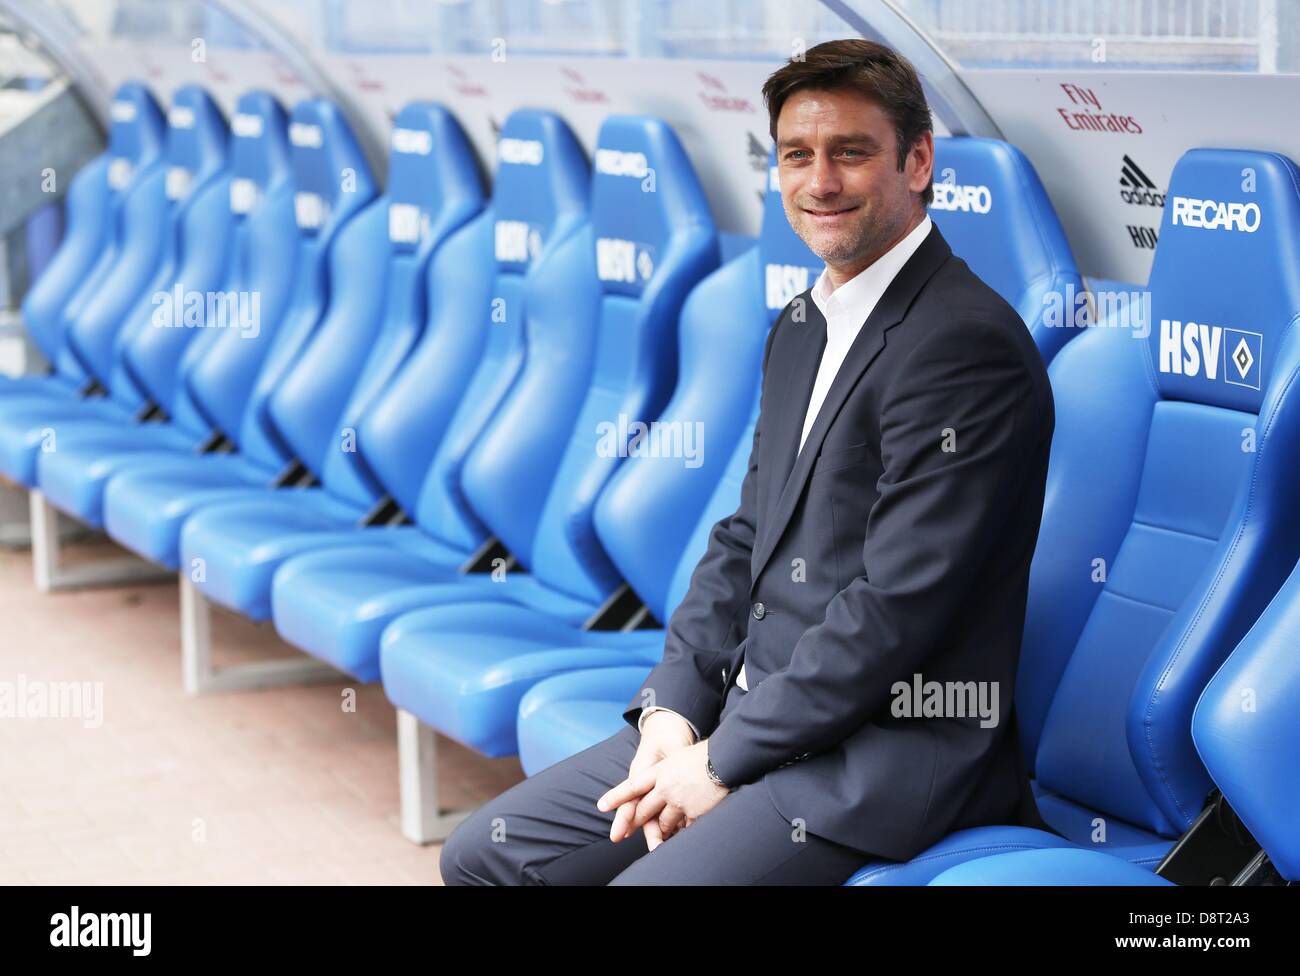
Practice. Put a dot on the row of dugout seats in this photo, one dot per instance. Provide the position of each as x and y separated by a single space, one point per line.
406 430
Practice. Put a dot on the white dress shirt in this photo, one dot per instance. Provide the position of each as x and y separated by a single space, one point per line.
845 309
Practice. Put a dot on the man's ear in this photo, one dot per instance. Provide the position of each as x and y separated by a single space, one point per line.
920 163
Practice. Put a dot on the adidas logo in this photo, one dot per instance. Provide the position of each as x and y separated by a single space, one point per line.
1135 186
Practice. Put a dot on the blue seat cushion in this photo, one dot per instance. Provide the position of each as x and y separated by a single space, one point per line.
1062 866
1125 841
242 543
51 385
146 505
463 669
562 715
31 424
1120 841
90 453
335 603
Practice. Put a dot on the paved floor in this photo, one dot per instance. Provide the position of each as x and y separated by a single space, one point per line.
280 786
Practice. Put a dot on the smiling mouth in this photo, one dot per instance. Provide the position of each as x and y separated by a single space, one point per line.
828 213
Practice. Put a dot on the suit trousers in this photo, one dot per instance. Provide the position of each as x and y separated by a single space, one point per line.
547 830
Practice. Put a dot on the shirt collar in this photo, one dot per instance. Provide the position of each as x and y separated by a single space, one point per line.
861 292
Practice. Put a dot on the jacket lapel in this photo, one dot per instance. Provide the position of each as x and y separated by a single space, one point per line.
799 373
889 311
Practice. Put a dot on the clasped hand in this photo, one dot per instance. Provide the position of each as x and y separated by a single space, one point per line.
667 787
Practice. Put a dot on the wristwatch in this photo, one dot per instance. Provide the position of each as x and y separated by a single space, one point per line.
713 774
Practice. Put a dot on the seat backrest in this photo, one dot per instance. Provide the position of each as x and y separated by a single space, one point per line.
1246 726
991 207
377 299
652 240
260 270
91 207
1169 518
417 436
132 231
651 510
166 320
85 212
194 155
251 281
331 183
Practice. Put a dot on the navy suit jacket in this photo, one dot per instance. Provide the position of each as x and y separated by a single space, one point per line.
896 543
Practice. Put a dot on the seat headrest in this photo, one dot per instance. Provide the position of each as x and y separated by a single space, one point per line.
259 150
135 132
1223 284
430 163
788 266
541 176
991 207
643 191
327 163
196 140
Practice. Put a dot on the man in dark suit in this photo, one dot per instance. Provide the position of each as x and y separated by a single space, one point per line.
837 682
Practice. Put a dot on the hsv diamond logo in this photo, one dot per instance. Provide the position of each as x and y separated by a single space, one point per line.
623 261
1244 354
1209 351
784 281
517 241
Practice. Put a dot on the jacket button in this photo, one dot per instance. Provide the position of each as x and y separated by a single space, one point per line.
760 611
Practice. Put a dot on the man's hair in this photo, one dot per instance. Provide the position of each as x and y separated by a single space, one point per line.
871 69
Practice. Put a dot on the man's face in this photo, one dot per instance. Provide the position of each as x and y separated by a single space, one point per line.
843 192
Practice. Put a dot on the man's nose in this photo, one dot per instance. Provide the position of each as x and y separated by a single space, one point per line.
824 180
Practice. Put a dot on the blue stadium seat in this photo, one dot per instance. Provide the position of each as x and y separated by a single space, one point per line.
650 241
463 669
992 209
137 255
1245 727
243 222
184 219
145 504
1169 522
433 190
1017 246
99 199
